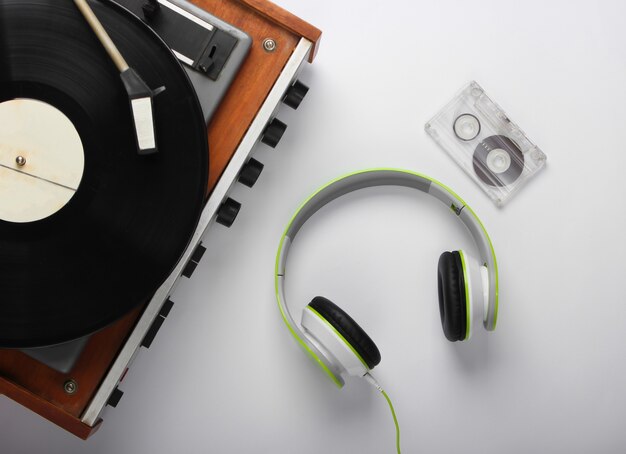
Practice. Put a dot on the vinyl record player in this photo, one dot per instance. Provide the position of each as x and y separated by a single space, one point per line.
89 278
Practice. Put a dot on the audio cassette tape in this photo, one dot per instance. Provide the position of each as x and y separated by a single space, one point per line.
485 143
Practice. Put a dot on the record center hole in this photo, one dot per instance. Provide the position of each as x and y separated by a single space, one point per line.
41 160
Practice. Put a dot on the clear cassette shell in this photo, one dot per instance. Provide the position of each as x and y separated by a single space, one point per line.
485 143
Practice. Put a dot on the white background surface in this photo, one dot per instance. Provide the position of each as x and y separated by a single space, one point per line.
224 376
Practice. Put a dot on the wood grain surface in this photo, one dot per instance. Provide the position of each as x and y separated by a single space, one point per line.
257 76
19 369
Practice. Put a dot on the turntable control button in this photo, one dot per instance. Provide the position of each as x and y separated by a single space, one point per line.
274 132
115 398
193 262
166 308
198 253
228 212
250 173
152 331
150 8
189 269
295 94
158 321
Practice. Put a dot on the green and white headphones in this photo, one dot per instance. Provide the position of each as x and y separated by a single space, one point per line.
468 288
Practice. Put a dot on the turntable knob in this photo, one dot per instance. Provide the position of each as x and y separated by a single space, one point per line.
228 212
250 172
115 398
295 94
150 8
274 132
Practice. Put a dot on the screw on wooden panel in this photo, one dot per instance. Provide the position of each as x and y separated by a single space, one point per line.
70 387
20 161
269 45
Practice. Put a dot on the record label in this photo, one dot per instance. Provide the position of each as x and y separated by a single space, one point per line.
41 160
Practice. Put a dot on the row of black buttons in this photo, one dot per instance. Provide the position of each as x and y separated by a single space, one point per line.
251 171
229 210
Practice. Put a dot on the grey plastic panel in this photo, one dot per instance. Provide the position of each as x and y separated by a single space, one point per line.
210 93
60 357
445 196
353 183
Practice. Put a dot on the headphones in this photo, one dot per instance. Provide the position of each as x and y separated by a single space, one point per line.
468 287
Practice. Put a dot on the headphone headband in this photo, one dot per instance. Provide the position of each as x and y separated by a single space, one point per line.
382 177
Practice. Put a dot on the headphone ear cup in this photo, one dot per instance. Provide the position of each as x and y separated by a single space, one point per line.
452 297
349 330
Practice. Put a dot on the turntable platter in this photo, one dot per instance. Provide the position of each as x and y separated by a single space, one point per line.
88 228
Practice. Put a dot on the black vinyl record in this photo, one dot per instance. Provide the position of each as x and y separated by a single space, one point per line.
121 234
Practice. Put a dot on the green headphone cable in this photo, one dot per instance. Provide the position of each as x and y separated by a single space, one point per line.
371 380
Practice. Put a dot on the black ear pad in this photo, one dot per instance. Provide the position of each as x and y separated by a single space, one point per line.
451 285
349 329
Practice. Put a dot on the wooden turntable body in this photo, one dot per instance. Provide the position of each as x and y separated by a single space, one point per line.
231 135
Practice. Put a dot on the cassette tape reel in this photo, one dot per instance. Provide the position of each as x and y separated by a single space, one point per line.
485 143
